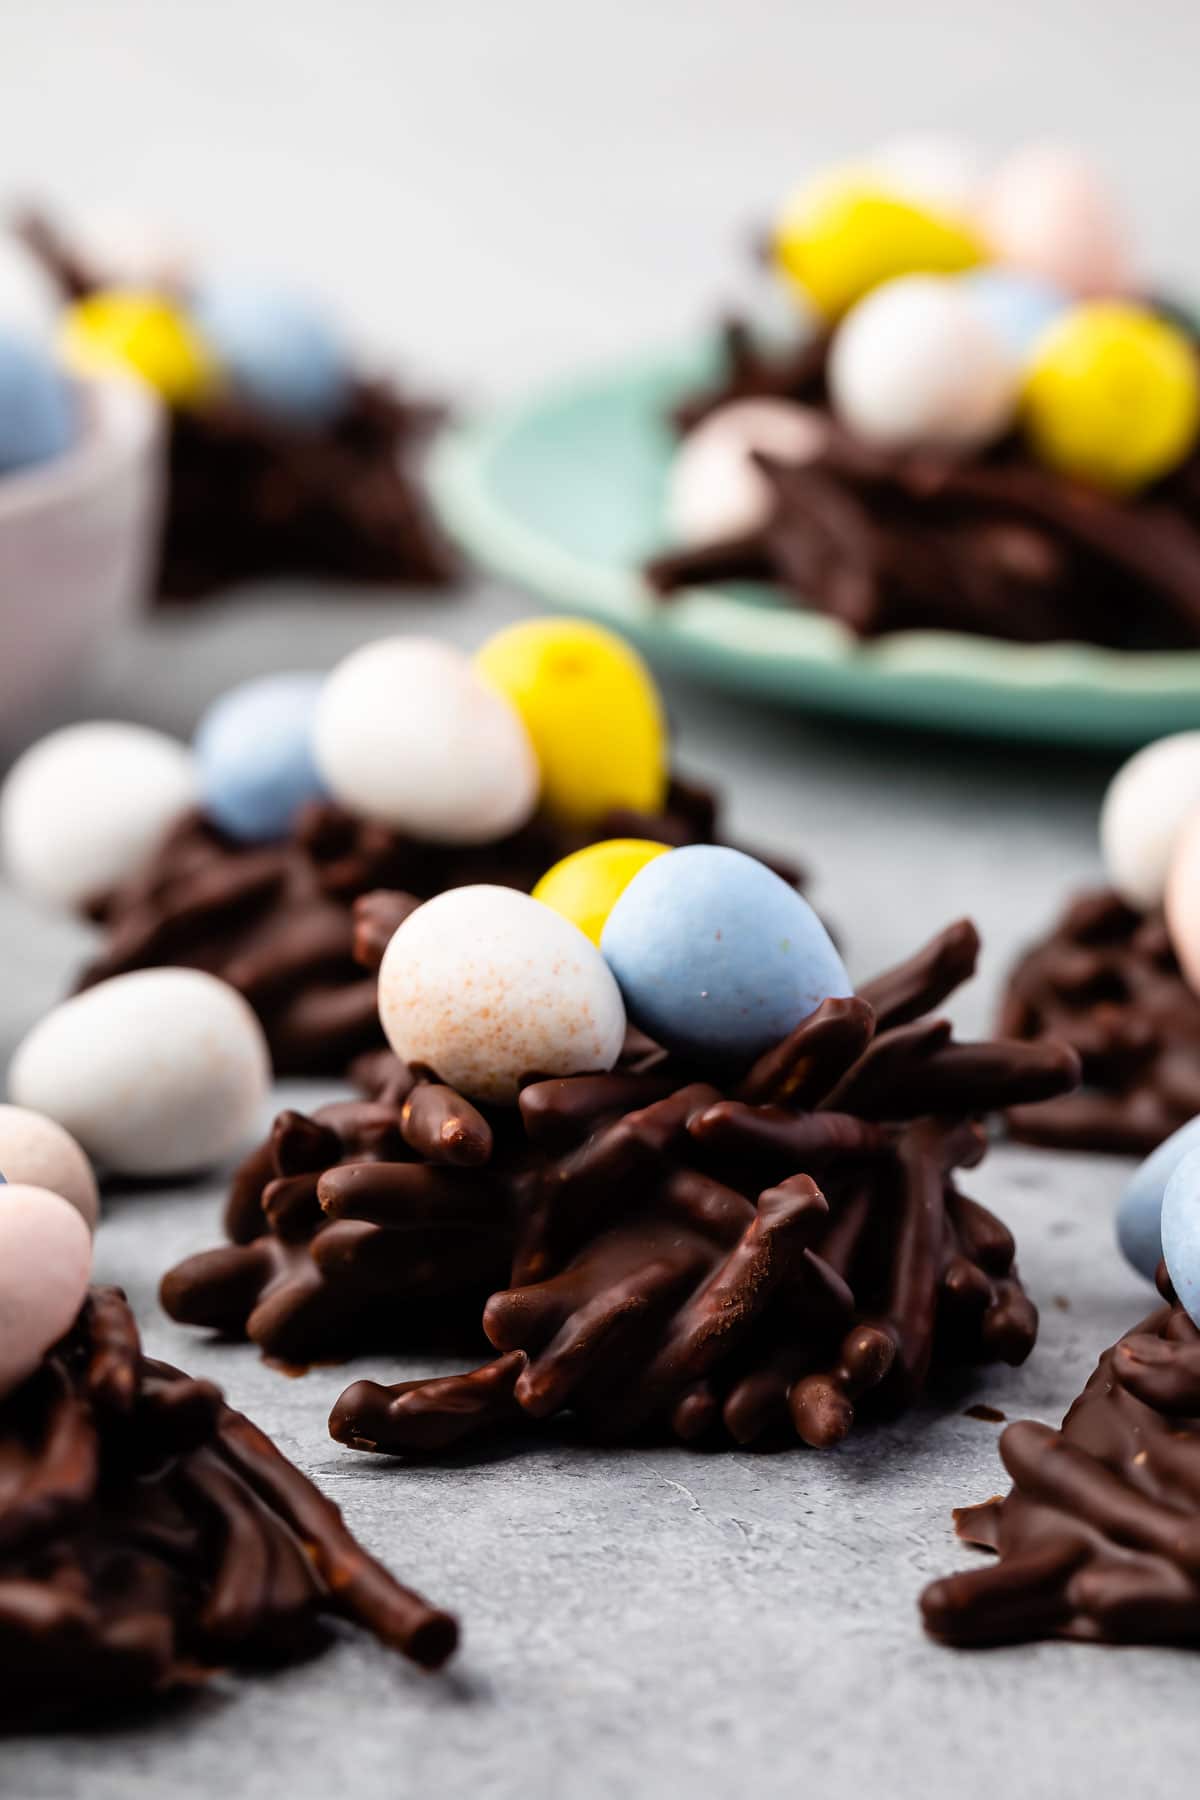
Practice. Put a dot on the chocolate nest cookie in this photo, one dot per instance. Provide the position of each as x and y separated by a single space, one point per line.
997 545
277 922
150 1536
1099 1539
775 1249
1107 981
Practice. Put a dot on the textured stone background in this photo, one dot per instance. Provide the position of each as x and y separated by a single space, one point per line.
500 190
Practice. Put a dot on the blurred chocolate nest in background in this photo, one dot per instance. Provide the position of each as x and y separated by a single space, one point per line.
995 545
276 921
250 496
1106 980
151 1536
765 1253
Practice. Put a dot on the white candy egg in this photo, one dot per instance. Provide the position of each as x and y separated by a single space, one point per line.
407 733
931 169
1047 211
1142 813
45 1267
1182 899
36 1152
715 489
29 301
83 807
915 366
485 986
160 1072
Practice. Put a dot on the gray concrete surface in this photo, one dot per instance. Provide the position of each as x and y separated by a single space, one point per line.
498 191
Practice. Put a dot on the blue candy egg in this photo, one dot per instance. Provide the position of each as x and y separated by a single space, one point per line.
1139 1212
254 754
716 956
37 408
277 347
1181 1233
1017 307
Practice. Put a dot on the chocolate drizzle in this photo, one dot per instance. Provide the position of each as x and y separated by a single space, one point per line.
1099 1538
277 921
1107 981
151 1536
728 1255
998 546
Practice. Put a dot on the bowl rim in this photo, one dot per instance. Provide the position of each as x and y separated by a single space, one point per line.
123 421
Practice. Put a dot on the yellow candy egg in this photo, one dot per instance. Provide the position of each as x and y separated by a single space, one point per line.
143 334
586 886
592 711
844 234
1113 395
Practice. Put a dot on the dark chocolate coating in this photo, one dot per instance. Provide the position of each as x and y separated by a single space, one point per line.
1107 981
998 545
150 1537
251 496
277 921
772 1250
1099 1538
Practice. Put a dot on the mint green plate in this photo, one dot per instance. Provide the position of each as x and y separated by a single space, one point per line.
563 495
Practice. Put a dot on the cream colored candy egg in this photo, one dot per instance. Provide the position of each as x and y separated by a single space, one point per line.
1143 812
45 1267
161 1072
484 985
716 490
36 1152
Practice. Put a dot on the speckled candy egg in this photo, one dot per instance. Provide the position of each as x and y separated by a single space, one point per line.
45 1267
1017 308
1112 395
1181 1233
715 489
1181 900
1047 211
1143 812
592 712
29 299
254 755
37 1152
37 406
1139 1212
717 956
845 233
277 347
585 886
407 733
161 1072
484 986
915 366
84 806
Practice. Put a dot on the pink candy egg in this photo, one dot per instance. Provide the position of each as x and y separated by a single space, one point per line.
45 1267
1047 211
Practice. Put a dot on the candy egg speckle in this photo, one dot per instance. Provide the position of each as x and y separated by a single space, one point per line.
161 1072
1181 1233
585 886
485 985
715 489
82 808
915 365
717 956
45 1266
37 408
275 346
407 733
1139 1212
1112 395
1143 811
1047 211
1181 900
1017 308
254 755
144 335
37 1152
845 234
592 712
